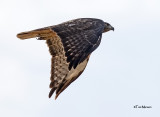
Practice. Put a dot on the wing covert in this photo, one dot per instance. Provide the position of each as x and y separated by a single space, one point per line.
80 38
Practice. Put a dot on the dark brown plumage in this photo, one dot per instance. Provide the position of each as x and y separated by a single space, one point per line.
70 45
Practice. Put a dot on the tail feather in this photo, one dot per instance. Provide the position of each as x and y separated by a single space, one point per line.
33 33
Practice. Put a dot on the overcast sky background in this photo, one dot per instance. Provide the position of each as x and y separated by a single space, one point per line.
124 71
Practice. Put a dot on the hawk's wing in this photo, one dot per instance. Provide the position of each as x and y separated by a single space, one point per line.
70 45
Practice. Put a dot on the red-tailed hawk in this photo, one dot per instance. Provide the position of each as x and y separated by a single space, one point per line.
70 44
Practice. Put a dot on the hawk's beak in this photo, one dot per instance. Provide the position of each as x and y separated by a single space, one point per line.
111 28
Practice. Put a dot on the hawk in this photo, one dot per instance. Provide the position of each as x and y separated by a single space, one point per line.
70 45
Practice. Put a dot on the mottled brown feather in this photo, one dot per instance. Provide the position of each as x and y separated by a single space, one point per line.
59 67
65 83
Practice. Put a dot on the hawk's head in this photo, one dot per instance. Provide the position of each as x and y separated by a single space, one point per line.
108 27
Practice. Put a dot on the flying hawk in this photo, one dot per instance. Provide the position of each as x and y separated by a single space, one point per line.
70 44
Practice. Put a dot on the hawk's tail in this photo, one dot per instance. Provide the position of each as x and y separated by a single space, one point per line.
34 33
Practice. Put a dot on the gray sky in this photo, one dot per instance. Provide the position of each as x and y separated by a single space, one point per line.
124 71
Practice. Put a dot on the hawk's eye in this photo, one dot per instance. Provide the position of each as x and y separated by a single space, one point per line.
107 24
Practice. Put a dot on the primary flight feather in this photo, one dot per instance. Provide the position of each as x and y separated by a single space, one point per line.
70 44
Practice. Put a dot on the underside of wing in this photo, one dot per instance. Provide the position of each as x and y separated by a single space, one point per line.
59 67
61 75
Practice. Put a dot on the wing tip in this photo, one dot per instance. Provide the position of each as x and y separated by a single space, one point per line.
56 96
51 92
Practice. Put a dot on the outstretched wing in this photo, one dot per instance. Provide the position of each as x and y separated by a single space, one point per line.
70 45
